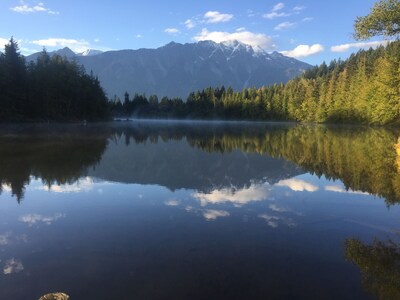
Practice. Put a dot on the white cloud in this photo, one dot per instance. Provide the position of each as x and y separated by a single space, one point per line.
284 25
307 19
32 219
138 36
217 17
3 42
240 29
13 266
212 214
276 12
172 30
75 45
346 47
251 13
298 8
189 23
298 185
304 51
278 6
237 197
27 9
96 40
253 39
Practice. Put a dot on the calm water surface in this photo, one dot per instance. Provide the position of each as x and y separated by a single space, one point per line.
151 210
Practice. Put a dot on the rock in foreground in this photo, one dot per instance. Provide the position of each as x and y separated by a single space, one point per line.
55 296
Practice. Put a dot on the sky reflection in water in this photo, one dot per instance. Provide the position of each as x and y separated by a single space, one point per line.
179 212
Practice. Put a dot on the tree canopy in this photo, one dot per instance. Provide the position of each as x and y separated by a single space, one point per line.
50 89
384 19
362 89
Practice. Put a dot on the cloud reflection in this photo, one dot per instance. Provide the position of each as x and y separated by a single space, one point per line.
213 214
275 221
13 266
238 197
4 239
341 189
6 187
277 208
172 202
82 185
32 219
298 185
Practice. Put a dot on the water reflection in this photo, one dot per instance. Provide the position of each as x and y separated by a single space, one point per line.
34 219
12 266
238 197
60 155
379 263
220 161
245 211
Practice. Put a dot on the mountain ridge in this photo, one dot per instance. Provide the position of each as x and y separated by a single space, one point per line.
176 69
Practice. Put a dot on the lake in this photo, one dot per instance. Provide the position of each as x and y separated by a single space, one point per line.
198 210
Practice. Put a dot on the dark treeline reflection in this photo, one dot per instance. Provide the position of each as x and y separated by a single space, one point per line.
56 156
379 264
364 159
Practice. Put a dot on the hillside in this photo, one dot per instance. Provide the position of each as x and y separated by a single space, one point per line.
175 70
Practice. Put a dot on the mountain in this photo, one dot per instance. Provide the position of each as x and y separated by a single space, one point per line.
177 69
68 53
90 52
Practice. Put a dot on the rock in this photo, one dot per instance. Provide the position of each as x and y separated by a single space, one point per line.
55 296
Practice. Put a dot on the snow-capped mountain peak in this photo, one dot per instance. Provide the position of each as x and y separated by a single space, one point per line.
90 52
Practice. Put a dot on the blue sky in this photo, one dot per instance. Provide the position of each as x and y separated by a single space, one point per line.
309 30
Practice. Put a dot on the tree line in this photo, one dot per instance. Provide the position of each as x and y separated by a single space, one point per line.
365 88
50 89
362 89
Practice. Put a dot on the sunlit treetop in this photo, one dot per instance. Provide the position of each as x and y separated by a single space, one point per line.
383 20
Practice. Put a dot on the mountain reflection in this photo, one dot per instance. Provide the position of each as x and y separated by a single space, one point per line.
222 161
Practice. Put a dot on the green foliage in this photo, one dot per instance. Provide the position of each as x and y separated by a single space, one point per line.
362 89
52 89
379 264
384 19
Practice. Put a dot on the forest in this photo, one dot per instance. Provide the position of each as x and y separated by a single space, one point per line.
50 89
365 88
